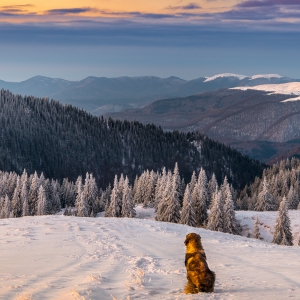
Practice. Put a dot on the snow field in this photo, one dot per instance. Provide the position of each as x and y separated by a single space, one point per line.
58 257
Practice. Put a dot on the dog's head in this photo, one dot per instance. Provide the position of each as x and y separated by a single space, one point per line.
193 237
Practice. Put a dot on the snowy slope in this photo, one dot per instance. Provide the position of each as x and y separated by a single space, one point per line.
225 75
290 88
58 257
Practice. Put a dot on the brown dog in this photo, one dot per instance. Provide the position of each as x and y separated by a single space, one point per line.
200 277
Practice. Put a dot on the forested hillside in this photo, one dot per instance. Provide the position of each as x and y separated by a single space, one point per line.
63 141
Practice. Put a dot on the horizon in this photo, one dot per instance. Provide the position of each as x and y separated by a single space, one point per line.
125 76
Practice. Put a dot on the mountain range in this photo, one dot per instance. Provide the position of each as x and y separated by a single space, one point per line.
261 121
100 95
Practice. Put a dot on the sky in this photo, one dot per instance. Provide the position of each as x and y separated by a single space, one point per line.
112 38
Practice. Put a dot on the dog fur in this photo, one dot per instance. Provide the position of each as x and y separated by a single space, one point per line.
200 277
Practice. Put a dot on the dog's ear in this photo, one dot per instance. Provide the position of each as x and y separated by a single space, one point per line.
186 241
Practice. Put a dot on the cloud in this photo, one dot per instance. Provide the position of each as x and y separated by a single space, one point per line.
137 14
260 3
190 6
69 11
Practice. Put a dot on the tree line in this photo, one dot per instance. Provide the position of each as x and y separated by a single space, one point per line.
63 141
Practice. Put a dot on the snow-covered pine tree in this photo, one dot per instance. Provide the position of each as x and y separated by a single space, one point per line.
121 185
172 211
256 234
6 209
115 207
202 181
230 224
16 200
215 218
283 234
79 187
128 210
33 194
92 193
25 208
188 216
177 183
193 182
54 192
211 188
42 202
265 201
199 204
292 199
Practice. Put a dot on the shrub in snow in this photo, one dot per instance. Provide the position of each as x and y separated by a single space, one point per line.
283 233
256 234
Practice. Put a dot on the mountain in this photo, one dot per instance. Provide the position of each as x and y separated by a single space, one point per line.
248 118
63 141
100 95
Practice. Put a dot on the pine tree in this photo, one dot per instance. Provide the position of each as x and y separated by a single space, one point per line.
16 200
231 224
128 210
283 233
211 188
25 208
199 204
292 199
215 218
6 209
265 201
188 216
193 182
115 208
256 234
33 194
42 202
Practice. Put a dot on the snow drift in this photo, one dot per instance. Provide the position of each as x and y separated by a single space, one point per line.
58 257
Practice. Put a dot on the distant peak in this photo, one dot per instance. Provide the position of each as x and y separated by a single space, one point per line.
225 75
267 76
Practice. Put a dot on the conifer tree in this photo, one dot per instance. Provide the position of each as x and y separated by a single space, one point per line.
193 182
6 209
41 202
265 201
128 210
199 204
16 200
115 208
256 234
215 218
188 216
33 194
25 208
211 188
231 224
283 233
292 199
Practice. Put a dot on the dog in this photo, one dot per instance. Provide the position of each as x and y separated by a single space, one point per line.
200 277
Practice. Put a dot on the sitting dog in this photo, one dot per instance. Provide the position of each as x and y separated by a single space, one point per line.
200 277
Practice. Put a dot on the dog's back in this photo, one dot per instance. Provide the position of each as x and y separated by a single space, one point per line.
198 272
200 277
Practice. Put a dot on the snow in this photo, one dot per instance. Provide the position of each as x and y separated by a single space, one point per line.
225 75
267 76
290 88
58 257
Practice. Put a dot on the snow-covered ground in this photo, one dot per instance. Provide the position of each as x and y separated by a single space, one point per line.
58 257
290 88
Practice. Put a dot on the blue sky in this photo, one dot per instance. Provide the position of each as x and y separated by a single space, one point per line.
184 40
